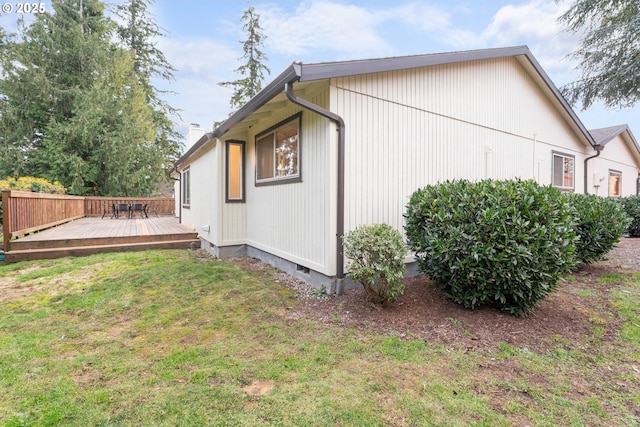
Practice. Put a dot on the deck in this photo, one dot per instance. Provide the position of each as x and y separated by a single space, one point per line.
89 235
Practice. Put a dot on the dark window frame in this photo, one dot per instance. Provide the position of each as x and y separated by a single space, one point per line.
286 179
242 144
186 187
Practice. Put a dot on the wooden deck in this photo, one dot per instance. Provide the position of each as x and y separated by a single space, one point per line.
89 235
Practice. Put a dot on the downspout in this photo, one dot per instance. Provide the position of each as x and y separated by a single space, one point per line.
598 149
179 192
340 211
179 179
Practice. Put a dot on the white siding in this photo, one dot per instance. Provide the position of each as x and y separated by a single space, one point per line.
404 130
293 220
233 216
205 194
475 120
617 156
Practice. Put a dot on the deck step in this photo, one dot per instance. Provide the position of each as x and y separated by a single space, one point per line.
18 245
51 253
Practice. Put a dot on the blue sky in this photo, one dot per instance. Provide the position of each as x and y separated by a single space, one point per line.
204 41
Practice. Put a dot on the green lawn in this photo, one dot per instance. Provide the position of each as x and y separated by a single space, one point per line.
173 338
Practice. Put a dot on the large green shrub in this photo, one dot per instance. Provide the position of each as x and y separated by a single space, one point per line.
631 206
377 255
601 223
498 243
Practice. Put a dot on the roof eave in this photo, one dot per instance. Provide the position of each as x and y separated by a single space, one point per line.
339 69
632 140
563 102
320 71
291 74
329 70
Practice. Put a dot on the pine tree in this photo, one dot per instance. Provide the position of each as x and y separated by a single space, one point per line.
104 147
52 61
138 34
73 107
609 54
253 70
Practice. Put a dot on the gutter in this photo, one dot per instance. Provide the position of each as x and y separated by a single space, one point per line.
598 148
340 211
292 73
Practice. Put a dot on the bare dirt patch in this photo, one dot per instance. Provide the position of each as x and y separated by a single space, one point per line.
12 289
259 388
572 315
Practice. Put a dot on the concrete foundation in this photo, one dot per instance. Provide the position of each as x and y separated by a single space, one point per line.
313 278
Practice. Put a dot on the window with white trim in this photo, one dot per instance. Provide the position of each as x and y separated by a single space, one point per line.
186 187
563 171
615 183
278 153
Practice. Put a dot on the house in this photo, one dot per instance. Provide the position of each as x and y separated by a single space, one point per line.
329 146
615 170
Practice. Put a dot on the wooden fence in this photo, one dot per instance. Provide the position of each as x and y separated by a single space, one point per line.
95 206
25 212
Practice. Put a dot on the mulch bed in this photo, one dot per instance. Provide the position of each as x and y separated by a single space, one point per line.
423 312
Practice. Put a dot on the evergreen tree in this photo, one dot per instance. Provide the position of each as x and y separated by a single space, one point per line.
253 70
609 54
105 147
74 106
138 34
52 61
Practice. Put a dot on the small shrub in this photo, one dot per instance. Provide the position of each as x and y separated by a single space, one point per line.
377 261
631 206
601 223
498 243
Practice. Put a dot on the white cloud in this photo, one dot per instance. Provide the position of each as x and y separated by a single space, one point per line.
536 25
199 56
322 26
201 101
419 16
201 64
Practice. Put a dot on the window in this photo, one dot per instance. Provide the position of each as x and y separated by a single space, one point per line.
615 183
278 153
186 187
563 171
235 171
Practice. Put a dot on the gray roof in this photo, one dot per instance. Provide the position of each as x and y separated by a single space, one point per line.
604 135
326 70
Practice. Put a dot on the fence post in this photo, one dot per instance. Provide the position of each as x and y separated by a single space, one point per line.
6 219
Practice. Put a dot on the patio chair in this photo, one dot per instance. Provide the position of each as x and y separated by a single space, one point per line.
152 208
124 207
138 207
114 211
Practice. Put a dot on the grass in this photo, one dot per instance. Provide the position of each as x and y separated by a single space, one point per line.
170 338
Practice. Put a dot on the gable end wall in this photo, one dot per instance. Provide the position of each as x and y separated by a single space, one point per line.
473 120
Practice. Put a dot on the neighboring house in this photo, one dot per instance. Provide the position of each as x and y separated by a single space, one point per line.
327 147
615 171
